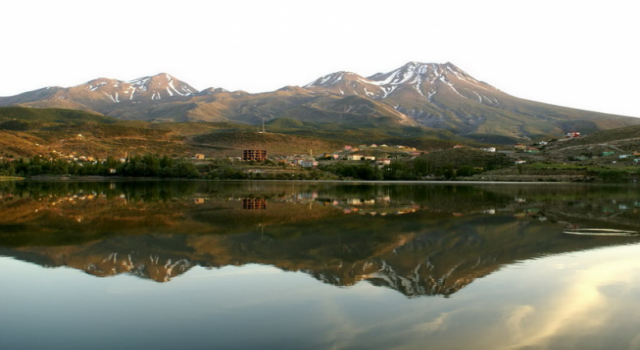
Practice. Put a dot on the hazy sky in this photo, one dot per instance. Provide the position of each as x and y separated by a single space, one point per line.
582 54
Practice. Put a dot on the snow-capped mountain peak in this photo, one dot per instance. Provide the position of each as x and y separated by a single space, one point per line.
332 79
115 91
421 79
161 85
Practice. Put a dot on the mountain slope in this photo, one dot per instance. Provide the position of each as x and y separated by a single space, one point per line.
103 94
443 96
429 95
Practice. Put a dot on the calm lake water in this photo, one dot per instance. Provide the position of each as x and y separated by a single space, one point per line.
278 265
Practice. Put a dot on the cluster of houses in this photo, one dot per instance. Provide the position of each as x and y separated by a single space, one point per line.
348 153
519 147
573 135
351 153
69 157
609 153
78 157
522 148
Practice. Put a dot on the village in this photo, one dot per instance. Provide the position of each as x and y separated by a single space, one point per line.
258 163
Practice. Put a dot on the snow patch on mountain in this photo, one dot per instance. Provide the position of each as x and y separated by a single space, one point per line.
111 97
140 83
423 78
174 89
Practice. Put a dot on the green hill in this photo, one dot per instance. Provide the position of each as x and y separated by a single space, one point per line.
52 115
629 133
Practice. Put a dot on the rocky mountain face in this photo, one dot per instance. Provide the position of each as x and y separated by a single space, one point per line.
421 95
411 80
424 92
445 97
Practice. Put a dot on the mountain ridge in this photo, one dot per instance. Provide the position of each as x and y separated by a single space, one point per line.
429 95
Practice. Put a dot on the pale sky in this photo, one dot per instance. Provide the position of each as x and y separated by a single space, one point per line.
581 54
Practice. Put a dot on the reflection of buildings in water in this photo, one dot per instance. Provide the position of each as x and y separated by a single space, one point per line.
372 206
254 203
434 261
306 195
300 197
303 198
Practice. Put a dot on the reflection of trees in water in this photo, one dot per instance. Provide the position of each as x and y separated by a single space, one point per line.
576 202
420 254
149 191
445 244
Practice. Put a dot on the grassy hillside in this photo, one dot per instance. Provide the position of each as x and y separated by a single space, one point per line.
25 132
232 143
630 133
51 115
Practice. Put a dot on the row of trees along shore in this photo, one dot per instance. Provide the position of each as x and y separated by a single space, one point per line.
156 166
150 165
135 166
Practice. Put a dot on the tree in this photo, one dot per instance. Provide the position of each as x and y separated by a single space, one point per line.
186 169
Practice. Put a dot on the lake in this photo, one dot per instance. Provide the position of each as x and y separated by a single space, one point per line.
318 265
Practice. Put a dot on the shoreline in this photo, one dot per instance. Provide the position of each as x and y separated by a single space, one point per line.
11 178
93 178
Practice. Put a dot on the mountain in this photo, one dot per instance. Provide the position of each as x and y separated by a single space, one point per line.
426 96
102 95
411 80
445 97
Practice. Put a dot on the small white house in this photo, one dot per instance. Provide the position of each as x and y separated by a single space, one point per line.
520 161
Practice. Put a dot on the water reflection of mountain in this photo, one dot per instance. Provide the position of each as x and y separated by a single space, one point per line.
431 240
